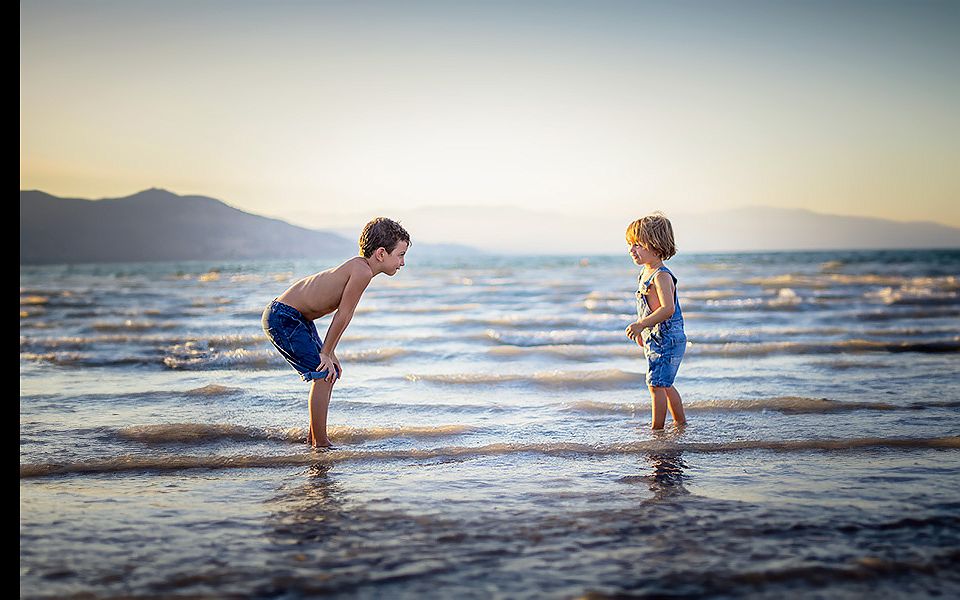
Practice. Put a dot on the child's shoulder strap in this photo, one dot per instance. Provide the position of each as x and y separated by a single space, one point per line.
665 270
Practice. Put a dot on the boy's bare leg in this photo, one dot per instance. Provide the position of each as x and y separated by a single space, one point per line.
320 391
658 396
676 406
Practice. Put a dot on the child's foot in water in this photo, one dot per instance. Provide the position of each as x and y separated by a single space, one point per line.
324 444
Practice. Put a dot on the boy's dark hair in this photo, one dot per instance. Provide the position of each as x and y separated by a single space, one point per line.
381 233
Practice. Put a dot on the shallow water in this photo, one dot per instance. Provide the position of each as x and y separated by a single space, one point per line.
491 433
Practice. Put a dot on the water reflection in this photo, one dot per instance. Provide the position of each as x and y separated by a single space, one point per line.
309 511
668 474
668 477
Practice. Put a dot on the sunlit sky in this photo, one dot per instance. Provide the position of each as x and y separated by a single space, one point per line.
322 113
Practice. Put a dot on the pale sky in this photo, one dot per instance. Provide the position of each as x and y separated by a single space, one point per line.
323 113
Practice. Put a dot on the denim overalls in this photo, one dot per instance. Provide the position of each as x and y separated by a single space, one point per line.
665 342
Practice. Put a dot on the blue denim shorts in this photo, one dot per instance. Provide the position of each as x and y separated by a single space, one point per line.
664 350
296 338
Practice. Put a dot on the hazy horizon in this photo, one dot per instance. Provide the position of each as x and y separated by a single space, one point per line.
316 113
751 229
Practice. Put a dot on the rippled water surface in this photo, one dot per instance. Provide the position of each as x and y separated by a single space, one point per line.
492 433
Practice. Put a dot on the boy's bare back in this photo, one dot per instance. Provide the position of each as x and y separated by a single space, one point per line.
321 293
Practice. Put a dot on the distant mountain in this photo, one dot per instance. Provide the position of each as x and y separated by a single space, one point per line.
157 225
765 228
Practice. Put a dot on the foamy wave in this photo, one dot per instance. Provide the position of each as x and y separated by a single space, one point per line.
700 295
212 389
355 435
80 359
200 359
374 355
823 280
786 299
176 463
131 325
583 352
525 321
425 309
606 377
202 433
192 433
915 295
553 338
204 302
785 404
608 306
847 346
193 342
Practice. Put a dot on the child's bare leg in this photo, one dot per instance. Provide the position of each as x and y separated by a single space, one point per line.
320 391
676 406
658 396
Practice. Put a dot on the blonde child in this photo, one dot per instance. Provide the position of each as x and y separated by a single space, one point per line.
659 328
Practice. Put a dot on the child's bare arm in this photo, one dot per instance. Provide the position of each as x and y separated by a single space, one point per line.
357 282
665 288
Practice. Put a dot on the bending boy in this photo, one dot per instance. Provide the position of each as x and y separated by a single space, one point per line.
288 320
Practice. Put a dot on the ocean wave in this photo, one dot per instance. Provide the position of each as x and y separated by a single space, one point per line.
825 347
202 359
709 346
131 325
786 404
859 569
609 306
424 309
202 433
199 358
156 462
86 342
706 294
822 280
33 300
785 300
210 302
897 314
584 352
525 321
592 379
915 296
553 338
212 389
374 354
82 359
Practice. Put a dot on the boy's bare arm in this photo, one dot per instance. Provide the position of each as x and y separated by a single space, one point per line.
357 281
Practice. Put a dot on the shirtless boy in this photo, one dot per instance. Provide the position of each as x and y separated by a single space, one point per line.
288 320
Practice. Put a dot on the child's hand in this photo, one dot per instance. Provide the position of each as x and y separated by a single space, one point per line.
633 332
336 361
327 364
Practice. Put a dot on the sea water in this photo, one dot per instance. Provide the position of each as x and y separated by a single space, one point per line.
492 432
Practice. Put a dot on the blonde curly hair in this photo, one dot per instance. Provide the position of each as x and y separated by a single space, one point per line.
655 232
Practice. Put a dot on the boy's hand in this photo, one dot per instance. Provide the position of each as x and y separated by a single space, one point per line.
336 361
327 364
633 332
